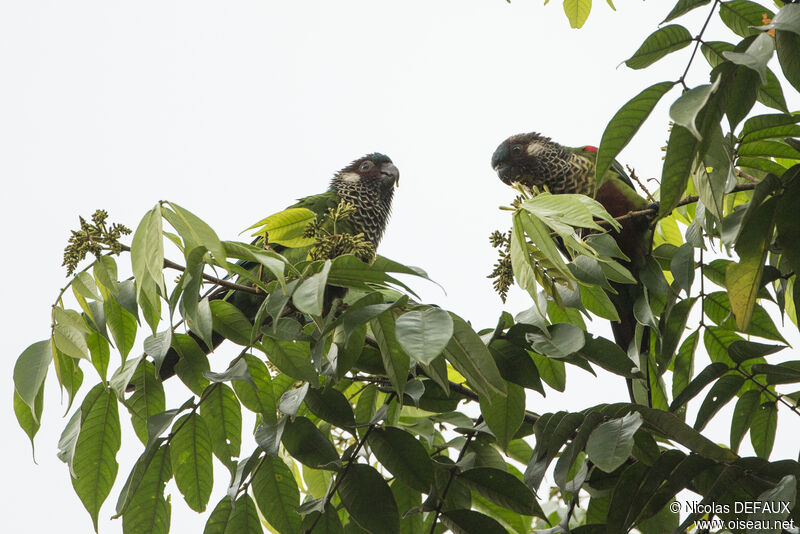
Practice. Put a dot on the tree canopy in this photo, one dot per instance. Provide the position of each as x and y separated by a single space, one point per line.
380 413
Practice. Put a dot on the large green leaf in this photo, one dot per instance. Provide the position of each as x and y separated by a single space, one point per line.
763 428
94 463
223 413
470 357
403 456
741 16
577 11
191 460
395 360
195 232
658 44
610 443
683 7
147 399
424 333
626 122
502 488
308 445
330 405
148 510
504 413
678 161
369 500
277 495
30 372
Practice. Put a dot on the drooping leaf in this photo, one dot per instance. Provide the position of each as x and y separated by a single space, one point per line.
369 500
94 462
190 450
276 493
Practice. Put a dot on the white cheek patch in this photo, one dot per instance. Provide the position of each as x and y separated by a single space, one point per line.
350 177
534 149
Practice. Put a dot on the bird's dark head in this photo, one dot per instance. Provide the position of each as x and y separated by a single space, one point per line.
372 170
526 158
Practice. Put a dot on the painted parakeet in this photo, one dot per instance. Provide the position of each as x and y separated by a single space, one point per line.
367 184
534 160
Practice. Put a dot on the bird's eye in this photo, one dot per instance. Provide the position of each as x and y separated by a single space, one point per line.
367 165
516 150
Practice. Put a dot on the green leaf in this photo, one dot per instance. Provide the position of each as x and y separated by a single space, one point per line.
30 372
682 267
743 413
706 376
787 44
195 232
94 463
395 360
504 413
678 162
191 460
157 345
277 495
424 333
240 517
658 44
257 396
222 412
403 456
610 443
770 126
763 428
501 488
771 95
237 371
515 365
147 255
286 227
718 396
147 399
683 367
607 355
192 362
291 358
781 499
122 326
626 122
308 445
471 522
229 321
70 341
470 357
740 351
756 56
783 373
148 510
309 297
741 15
551 370
685 109
743 279
683 7
28 418
330 405
369 500
562 340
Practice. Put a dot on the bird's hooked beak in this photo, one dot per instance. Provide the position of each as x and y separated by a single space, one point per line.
390 175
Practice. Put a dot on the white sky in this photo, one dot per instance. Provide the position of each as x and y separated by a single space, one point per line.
235 109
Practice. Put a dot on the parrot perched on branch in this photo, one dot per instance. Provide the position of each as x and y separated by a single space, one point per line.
536 161
367 185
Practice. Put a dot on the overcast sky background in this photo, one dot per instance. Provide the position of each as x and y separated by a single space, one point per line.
235 109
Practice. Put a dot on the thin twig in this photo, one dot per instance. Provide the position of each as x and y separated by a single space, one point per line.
699 40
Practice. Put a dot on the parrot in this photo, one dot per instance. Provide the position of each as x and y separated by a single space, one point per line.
534 160
367 183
